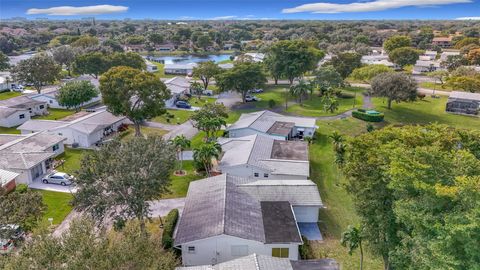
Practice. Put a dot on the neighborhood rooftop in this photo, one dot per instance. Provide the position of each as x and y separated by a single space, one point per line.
244 208
279 157
177 85
20 102
264 120
464 95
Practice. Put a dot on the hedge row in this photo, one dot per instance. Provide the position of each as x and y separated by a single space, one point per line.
368 117
168 228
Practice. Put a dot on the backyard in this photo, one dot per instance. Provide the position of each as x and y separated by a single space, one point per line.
58 205
72 160
55 114
11 130
9 94
179 184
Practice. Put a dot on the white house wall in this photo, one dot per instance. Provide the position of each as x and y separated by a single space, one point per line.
306 213
14 119
53 103
242 132
218 249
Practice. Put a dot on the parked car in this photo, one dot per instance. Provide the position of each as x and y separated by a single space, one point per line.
259 90
208 92
183 104
59 178
250 98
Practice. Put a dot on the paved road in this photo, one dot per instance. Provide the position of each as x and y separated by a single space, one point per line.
186 129
159 125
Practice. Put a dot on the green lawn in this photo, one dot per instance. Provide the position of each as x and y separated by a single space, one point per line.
179 185
179 117
58 205
7 95
72 159
339 211
430 110
55 114
436 86
314 107
12 130
161 71
146 131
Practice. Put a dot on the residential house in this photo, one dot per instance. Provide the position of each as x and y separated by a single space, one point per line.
151 67
429 55
226 66
178 86
83 132
442 42
422 66
5 82
165 47
264 262
463 103
29 155
272 124
8 180
179 69
378 59
49 96
228 46
134 48
226 218
17 110
444 56
263 157
256 57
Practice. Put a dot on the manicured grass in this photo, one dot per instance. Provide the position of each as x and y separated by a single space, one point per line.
339 210
314 106
430 110
194 101
228 61
12 130
55 114
161 71
179 184
7 95
179 117
72 159
272 92
58 205
436 86
146 131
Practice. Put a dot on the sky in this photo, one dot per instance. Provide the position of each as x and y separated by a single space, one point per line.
243 9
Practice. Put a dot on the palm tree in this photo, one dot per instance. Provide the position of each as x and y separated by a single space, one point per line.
197 88
330 103
352 238
300 90
338 148
181 143
205 153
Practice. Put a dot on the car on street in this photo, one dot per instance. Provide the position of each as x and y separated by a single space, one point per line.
250 98
258 90
59 178
183 104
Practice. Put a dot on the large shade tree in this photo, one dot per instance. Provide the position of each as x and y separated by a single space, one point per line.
120 179
206 71
136 94
64 56
75 94
397 87
4 62
404 56
205 153
242 78
327 78
368 72
210 119
395 42
39 70
345 63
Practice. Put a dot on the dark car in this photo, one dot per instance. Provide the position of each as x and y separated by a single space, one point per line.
183 104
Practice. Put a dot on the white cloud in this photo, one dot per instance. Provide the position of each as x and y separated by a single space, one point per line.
86 10
468 18
363 6
230 17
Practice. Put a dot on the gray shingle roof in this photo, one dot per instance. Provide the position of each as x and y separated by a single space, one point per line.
279 223
178 85
250 262
41 125
7 111
20 102
262 121
7 176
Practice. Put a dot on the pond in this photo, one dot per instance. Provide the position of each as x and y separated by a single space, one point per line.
185 59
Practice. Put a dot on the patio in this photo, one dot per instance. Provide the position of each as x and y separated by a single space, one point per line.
310 231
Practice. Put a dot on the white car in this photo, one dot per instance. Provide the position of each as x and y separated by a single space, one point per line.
59 178
249 98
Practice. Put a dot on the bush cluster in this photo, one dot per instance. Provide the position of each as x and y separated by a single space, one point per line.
362 115
169 226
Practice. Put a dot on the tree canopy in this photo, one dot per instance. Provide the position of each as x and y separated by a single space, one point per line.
416 189
395 42
39 70
404 56
4 62
205 71
75 94
210 119
345 63
134 93
241 78
393 86
368 72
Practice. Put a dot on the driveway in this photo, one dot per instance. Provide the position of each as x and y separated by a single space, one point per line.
229 99
186 129
52 187
160 208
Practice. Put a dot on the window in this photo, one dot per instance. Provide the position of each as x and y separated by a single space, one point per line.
56 147
21 116
265 175
191 249
239 251
51 101
255 174
42 106
60 134
280 252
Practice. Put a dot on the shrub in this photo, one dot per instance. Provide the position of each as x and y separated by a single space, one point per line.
368 117
304 249
21 188
271 103
345 95
169 226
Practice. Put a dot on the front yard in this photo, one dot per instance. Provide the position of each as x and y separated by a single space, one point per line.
177 117
9 94
179 184
12 130
58 205
72 158
55 114
146 131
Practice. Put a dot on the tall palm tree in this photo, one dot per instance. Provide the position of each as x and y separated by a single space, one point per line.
338 148
205 153
352 239
181 143
300 90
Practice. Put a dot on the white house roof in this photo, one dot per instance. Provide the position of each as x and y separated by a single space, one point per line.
263 262
86 124
6 111
178 85
20 102
7 176
423 63
180 66
464 95
263 120
278 157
